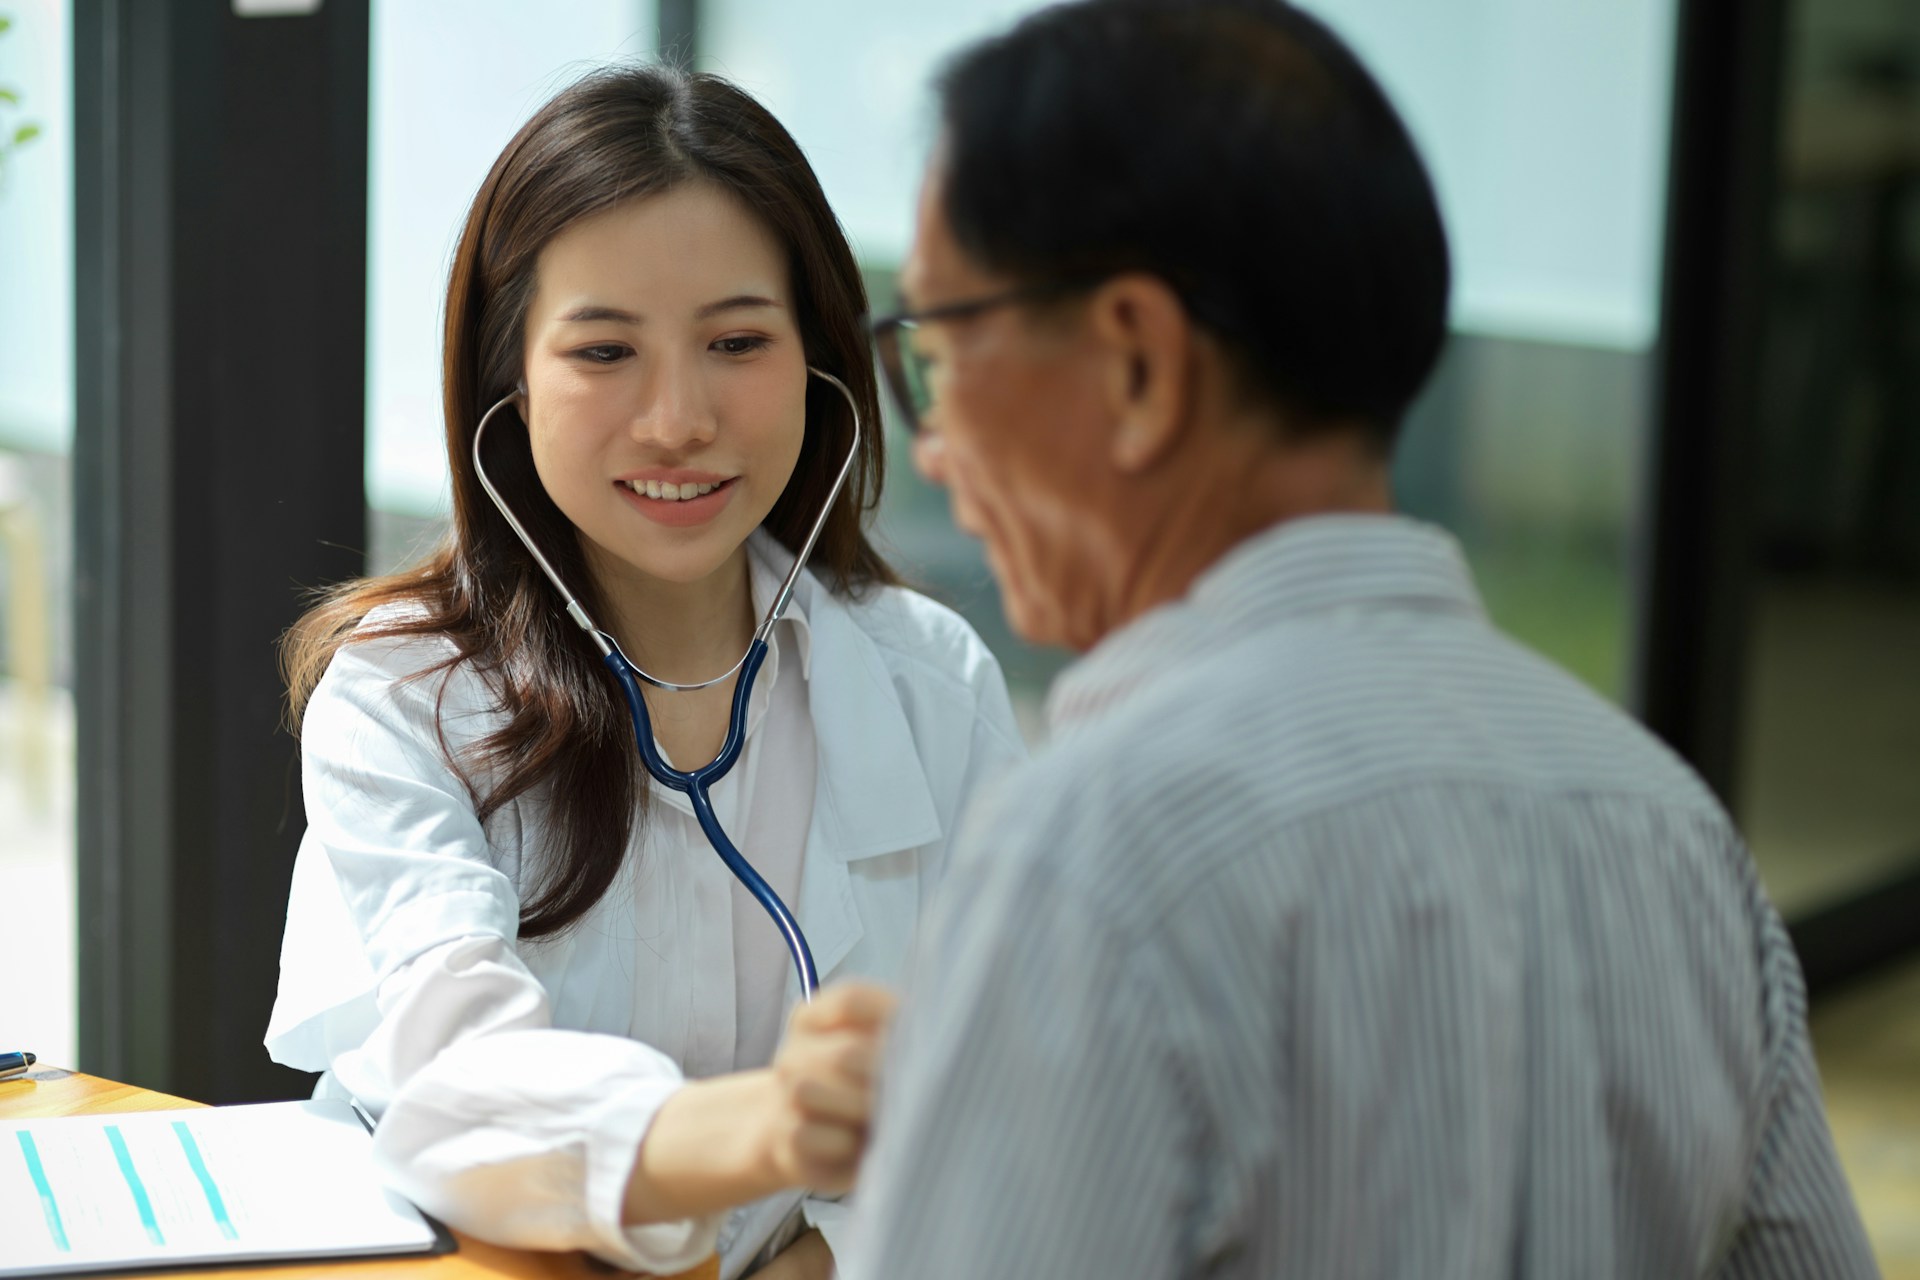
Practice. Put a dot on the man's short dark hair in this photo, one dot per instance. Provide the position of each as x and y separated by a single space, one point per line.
1237 150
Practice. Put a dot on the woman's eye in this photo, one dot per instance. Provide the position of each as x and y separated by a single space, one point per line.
740 346
605 353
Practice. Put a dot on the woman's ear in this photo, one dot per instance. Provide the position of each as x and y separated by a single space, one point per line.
520 399
1147 338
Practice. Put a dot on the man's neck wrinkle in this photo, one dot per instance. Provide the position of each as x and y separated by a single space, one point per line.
1203 515
1168 551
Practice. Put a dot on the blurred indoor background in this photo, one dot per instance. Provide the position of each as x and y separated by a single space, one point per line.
1677 430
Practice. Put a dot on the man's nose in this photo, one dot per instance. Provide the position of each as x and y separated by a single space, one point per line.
930 457
675 411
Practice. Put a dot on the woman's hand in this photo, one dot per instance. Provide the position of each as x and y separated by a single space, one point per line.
801 1122
823 1086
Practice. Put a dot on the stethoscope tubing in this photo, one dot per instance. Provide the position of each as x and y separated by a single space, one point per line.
695 783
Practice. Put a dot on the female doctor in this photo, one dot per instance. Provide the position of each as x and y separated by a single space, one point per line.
504 940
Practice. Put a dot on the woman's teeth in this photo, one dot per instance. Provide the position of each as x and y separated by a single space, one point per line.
670 492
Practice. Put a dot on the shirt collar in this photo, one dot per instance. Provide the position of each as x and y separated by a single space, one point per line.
1294 569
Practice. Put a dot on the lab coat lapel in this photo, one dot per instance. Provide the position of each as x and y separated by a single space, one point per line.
871 795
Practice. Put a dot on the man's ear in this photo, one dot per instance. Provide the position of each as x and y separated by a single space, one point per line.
1146 340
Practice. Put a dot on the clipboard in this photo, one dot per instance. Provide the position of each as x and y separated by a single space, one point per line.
270 1182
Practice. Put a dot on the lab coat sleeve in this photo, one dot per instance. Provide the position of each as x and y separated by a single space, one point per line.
490 1118
511 1130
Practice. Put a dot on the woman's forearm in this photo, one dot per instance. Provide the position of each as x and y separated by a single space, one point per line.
706 1150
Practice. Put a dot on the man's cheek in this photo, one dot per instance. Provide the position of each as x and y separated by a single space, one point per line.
968 497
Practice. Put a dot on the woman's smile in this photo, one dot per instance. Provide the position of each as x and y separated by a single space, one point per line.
679 504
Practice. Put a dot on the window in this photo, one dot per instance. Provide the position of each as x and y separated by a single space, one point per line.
451 81
36 433
1545 127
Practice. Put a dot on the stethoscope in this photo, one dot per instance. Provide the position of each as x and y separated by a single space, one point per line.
695 782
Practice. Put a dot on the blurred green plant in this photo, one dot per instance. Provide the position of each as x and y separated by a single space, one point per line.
14 136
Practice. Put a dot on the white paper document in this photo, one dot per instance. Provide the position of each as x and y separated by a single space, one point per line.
211 1185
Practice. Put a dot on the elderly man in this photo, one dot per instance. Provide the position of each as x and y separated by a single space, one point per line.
1335 934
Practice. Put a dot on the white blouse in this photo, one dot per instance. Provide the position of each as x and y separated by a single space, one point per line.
515 1080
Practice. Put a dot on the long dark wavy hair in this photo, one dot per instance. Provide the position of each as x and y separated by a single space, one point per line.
619 134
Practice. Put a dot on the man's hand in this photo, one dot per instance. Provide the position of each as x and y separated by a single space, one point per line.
822 1079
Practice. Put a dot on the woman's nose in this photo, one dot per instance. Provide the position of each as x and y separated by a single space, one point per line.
675 410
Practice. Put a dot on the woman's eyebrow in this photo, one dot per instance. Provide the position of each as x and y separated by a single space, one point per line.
590 312
739 302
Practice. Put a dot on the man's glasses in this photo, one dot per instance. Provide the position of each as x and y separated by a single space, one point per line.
909 374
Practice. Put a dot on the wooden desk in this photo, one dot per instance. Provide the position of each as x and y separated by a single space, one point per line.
51 1092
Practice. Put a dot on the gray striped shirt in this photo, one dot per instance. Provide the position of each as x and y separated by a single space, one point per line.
1337 935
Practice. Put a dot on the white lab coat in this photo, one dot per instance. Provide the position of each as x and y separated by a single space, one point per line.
516 1080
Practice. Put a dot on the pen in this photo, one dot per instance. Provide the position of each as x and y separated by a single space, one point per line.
13 1064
